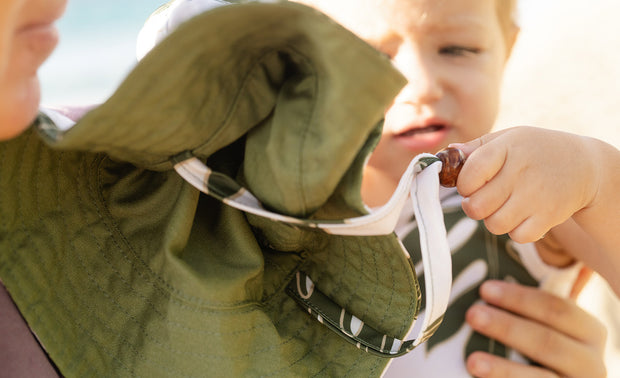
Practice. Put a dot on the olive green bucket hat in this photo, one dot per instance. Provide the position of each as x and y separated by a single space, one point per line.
121 267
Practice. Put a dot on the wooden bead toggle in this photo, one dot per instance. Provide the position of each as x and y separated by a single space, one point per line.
453 160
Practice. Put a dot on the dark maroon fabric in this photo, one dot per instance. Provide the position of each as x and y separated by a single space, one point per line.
20 353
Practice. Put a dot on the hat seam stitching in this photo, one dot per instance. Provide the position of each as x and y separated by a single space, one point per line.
27 270
307 125
347 301
148 335
231 112
254 306
87 181
155 279
254 309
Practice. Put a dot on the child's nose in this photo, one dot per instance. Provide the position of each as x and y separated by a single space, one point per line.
424 86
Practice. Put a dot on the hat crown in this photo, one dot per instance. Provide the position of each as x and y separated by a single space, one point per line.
261 91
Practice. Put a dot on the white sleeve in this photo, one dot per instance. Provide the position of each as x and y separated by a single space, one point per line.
558 281
62 122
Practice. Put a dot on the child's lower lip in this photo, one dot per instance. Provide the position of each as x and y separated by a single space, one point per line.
42 36
429 140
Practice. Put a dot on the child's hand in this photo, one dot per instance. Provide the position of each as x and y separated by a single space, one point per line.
524 180
554 332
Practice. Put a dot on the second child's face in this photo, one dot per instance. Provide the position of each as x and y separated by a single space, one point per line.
27 38
453 55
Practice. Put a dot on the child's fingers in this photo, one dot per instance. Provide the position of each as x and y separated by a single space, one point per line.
522 230
472 145
488 199
485 365
530 230
523 214
498 205
541 343
480 167
484 160
545 308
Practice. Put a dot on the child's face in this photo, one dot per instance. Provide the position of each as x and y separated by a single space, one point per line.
27 38
453 54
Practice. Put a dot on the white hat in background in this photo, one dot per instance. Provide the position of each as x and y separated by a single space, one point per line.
167 18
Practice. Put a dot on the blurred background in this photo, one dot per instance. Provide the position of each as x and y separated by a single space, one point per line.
565 68
563 74
96 50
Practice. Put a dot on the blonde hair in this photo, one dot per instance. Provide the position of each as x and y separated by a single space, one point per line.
507 15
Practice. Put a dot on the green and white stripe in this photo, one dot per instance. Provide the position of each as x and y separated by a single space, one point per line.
380 222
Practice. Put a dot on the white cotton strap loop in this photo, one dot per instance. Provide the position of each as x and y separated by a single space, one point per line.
382 221
434 246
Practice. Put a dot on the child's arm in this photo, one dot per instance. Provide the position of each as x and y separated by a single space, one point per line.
552 331
524 181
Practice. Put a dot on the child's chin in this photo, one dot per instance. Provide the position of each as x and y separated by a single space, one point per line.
12 127
20 109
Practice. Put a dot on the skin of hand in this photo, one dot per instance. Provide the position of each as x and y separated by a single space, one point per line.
525 181
553 331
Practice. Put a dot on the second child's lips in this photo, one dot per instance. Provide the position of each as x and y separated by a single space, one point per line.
39 32
38 40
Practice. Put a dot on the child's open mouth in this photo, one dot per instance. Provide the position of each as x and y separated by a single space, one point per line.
422 130
423 139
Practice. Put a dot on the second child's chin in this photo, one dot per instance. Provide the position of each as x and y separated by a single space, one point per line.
19 108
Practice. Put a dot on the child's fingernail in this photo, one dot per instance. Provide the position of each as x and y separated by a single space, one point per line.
479 317
481 367
491 290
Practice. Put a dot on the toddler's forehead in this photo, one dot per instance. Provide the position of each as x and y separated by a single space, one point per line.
371 18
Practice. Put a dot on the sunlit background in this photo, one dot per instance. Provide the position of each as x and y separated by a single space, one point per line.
96 49
564 74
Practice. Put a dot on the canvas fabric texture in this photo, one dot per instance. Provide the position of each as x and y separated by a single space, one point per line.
418 189
121 268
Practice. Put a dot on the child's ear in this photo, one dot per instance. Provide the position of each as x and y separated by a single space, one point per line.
511 38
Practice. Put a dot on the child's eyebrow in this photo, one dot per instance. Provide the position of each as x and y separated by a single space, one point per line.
454 24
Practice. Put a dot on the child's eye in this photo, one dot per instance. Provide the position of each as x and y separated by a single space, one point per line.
458 50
